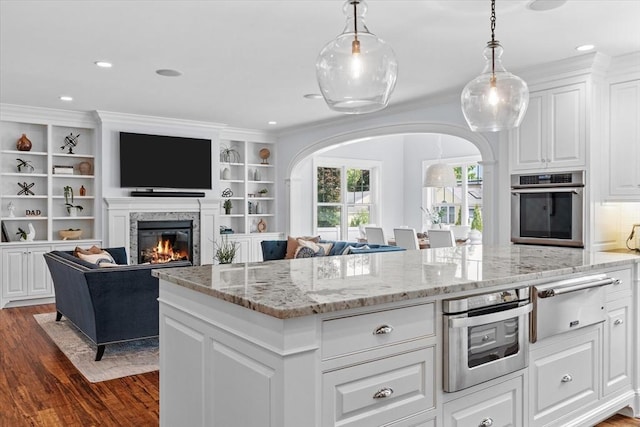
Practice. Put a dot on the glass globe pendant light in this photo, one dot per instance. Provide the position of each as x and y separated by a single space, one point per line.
357 71
495 100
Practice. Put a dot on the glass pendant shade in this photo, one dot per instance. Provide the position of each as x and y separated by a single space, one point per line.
357 71
495 100
440 175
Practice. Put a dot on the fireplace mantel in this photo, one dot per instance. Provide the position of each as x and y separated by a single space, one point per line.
119 211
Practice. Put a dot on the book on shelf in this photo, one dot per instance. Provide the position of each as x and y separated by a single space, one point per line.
62 170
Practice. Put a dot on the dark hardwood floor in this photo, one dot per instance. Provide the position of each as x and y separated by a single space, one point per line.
40 387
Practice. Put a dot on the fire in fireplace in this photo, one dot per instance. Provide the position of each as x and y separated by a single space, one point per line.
164 241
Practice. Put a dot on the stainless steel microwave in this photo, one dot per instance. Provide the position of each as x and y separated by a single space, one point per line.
548 209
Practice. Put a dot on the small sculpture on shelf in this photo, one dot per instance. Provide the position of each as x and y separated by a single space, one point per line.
227 192
27 236
263 192
24 164
11 208
72 209
70 142
264 155
26 189
23 143
229 155
227 205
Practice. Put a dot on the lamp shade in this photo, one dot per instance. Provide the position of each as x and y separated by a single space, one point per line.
495 100
440 175
357 71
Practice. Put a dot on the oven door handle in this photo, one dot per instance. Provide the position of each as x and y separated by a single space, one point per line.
466 322
552 292
544 190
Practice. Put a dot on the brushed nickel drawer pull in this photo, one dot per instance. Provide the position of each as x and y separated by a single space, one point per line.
567 378
487 422
383 393
618 322
383 330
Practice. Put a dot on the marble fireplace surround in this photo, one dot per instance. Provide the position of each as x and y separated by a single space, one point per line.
123 214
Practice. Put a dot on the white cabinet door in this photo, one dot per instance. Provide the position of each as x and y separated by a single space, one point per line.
498 406
25 273
14 273
553 132
624 140
564 375
243 253
38 276
618 343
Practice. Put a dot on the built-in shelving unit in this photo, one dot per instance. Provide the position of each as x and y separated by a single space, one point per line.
251 180
43 203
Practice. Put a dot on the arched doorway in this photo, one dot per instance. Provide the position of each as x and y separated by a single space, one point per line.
295 192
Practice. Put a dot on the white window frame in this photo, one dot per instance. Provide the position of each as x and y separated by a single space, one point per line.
428 193
375 180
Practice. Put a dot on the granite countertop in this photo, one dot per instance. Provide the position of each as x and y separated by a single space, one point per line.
301 287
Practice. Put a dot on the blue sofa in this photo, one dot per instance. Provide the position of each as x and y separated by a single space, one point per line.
277 249
108 304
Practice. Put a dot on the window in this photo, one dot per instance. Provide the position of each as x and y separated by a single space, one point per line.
344 198
447 204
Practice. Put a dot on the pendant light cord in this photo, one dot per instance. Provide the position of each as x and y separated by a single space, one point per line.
493 41
355 44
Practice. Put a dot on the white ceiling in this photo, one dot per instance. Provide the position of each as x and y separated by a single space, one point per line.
245 63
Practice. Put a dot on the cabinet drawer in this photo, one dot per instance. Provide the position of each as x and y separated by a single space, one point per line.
499 406
564 376
364 332
380 391
621 289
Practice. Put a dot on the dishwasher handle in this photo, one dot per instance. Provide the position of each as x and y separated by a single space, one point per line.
559 290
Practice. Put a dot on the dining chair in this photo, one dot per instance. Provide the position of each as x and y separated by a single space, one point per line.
406 238
375 235
441 238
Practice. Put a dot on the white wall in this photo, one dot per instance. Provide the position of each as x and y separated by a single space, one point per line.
442 115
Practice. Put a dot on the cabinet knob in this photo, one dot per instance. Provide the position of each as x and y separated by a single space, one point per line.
567 378
618 322
383 330
485 338
487 422
383 393
617 281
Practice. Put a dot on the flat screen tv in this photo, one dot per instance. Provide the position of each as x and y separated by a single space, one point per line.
154 161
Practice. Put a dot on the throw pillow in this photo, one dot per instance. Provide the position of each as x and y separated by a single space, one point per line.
292 244
98 259
353 250
327 247
91 251
305 252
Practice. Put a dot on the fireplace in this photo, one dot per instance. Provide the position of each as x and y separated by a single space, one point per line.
165 241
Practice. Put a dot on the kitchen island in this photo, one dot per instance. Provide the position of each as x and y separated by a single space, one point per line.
290 343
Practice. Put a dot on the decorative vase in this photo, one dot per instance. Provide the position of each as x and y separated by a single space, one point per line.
227 211
226 173
23 144
73 211
257 176
84 168
83 191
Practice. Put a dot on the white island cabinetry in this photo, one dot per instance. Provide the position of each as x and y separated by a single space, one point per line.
317 342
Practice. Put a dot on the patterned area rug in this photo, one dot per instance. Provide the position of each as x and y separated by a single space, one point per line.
119 360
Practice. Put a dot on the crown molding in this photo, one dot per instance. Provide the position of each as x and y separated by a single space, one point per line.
253 135
111 118
594 64
40 115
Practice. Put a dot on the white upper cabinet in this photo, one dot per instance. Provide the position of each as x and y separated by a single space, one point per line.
553 134
624 140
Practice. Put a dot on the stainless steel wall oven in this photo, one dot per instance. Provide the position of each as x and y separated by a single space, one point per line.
485 337
548 209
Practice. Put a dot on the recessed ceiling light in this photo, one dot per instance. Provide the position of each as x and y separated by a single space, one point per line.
66 98
585 47
168 73
272 122
312 96
103 64
539 5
